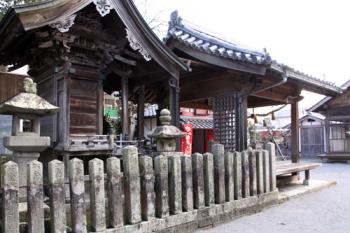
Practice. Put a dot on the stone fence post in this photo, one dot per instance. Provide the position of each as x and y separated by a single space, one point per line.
270 147
35 197
57 196
132 185
10 188
115 192
219 172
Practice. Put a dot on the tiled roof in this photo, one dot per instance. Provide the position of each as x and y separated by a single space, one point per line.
191 36
198 123
301 76
327 98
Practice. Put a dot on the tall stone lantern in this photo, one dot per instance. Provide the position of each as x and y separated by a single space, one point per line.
166 134
26 108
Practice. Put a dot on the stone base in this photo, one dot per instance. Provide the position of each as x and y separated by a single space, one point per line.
210 216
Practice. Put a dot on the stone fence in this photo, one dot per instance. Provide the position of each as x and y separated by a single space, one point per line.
142 194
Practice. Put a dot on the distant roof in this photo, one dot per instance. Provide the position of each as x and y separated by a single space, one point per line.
313 108
310 115
190 35
198 122
193 37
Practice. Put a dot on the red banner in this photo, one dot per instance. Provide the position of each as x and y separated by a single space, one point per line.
186 142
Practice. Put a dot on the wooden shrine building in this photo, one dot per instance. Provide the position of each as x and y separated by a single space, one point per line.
337 124
229 78
78 49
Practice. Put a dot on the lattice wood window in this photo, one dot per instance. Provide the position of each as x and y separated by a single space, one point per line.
224 121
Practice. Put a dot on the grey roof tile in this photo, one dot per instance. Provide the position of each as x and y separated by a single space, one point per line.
211 44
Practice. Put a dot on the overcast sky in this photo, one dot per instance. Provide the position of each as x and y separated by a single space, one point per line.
312 36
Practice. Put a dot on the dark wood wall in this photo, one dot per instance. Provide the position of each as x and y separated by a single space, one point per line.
84 106
10 85
77 91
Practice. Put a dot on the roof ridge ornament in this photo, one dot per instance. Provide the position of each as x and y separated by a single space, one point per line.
135 45
64 24
103 7
175 19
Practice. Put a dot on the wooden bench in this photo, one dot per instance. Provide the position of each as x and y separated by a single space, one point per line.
290 168
334 157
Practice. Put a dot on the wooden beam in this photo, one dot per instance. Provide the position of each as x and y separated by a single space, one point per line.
214 87
295 131
140 112
327 135
174 101
116 69
241 122
125 98
125 60
134 55
195 105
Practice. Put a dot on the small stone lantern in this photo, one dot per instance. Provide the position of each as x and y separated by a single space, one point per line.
26 108
166 134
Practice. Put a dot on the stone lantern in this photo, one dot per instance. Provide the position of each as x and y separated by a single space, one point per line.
166 134
26 108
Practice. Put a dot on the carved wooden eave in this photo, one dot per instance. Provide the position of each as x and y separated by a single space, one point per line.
22 20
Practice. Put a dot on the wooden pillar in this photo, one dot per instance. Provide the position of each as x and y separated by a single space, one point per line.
174 106
245 122
327 133
295 131
125 117
241 122
100 106
141 112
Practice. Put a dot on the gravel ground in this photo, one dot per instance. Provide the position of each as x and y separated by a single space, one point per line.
326 211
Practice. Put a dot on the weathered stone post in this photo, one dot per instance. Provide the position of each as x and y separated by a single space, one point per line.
266 161
26 143
9 186
162 197
218 151
77 192
252 172
175 186
132 185
229 185
259 171
35 197
187 183
237 174
270 147
115 193
209 195
147 188
245 174
198 181
97 195
57 197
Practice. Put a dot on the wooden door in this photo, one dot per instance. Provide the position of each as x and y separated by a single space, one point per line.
312 140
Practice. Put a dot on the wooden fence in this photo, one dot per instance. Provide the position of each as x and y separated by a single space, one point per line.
142 194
